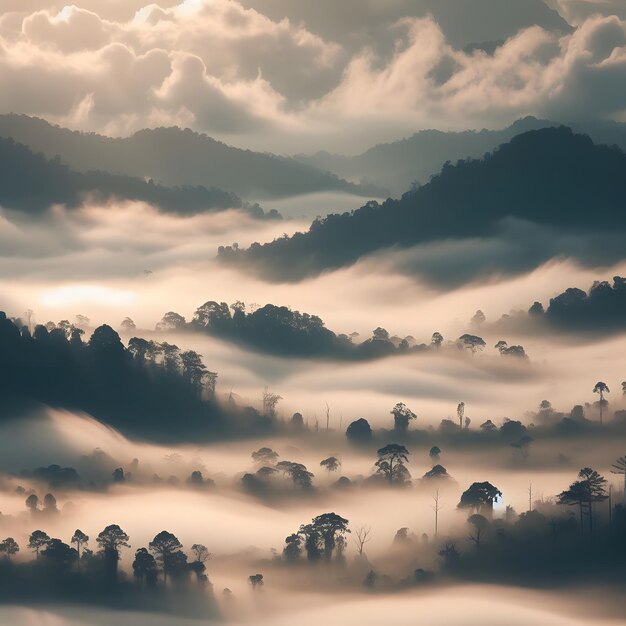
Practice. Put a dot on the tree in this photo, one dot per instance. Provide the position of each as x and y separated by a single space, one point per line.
436 473
32 504
332 464
362 536
624 387
265 456
584 493
460 412
359 431
473 343
50 504
145 567
329 526
38 540
480 525
402 415
164 545
110 540
256 580
127 325
60 554
196 479
488 427
371 579
298 473
380 334
79 538
9 547
270 400
601 388
193 369
200 552
312 541
213 316
171 321
436 508
450 555
480 497
436 340
171 357
390 463
434 453
501 346
478 318
293 548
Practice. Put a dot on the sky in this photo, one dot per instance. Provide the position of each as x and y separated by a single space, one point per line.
286 77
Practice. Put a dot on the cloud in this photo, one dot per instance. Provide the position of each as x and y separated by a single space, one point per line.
533 72
289 78
516 248
577 11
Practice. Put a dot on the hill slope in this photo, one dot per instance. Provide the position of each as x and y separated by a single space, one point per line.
173 156
397 165
30 182
551 178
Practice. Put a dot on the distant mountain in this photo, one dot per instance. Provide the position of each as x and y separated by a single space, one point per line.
30 182
398 165
545 193
172 156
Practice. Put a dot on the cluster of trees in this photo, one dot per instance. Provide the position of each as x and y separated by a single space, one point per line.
545 421
147 389
57 477
602 309
389 469
321 539
543 541
281 331
72 567
262 481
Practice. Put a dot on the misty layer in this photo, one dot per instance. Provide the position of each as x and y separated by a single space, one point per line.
549 178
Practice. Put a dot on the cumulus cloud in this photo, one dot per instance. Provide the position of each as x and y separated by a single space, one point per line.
291 78
533 72
577 11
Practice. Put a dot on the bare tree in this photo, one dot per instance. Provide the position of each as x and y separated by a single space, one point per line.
270 400
436 508
362 536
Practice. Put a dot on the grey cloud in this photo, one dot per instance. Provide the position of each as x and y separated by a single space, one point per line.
516 248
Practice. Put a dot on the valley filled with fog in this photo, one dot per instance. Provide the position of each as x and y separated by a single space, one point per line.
312 313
